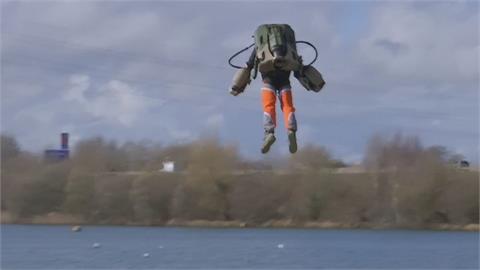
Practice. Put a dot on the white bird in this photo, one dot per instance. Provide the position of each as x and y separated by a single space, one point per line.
280 245
96 245
146 255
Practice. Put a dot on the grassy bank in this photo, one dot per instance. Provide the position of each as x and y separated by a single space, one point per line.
63 219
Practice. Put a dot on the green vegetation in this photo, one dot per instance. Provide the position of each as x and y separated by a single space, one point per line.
403 184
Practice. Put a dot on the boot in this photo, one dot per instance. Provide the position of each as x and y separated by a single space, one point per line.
292 141
267 142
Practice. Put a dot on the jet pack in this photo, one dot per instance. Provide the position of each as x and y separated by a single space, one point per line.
276 49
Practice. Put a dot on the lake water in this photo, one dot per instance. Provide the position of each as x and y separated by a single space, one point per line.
57 247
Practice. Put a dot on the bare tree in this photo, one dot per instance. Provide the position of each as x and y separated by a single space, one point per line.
204 193
79 194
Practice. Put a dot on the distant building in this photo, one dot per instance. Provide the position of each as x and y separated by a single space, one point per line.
59 154
168 166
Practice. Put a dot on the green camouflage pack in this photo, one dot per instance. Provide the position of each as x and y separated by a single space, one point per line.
276 48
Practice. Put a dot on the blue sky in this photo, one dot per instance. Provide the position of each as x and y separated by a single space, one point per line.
133 70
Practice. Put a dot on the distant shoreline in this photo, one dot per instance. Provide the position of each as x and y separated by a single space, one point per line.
61 219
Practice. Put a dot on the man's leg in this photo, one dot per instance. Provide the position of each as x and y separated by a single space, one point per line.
269 116
288 109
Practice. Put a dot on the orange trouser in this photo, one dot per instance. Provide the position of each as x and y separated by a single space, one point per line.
284 94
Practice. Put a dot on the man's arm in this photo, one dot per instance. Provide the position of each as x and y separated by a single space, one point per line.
242 77
251 60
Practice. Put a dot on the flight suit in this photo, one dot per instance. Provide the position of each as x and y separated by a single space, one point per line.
276 84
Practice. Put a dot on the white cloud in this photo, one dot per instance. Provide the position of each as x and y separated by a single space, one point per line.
115 102
215 121
407 43
80 84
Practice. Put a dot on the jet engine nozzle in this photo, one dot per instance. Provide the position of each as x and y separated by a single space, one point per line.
240 80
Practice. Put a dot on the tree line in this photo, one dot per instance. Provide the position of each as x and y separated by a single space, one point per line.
403 183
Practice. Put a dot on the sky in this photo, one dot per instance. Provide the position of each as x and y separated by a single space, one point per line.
158 71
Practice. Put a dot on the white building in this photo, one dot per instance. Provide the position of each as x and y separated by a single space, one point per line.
168 166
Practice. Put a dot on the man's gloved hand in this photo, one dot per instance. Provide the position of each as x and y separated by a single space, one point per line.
234 93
